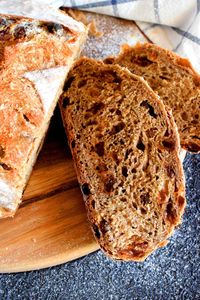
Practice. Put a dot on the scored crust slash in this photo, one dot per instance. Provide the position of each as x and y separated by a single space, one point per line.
35 57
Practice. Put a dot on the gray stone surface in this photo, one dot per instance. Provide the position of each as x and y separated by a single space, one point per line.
170 273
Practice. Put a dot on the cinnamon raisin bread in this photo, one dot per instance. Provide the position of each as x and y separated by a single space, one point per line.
35 57
174 80
126 152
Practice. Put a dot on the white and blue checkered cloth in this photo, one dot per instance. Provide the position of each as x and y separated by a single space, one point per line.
173 24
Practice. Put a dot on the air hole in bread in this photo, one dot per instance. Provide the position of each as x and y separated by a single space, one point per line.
109 60
124 171
117 128
68 83
134 205
150 108
102 167
91 122
93 203
96 107
19 32
192 147
26 118
103 226
145 199
88 115
81 83
156 215
115 157
196 116
118 112
85 189
123 199
181 201
151 132
128 151
142 61
73 144
117 79
143 211
96 231
110 76
171 212
5 166
66 102
133 170
170 171
170 145
184 116
99 135
195 122
121 142
164 77
140 145
108 185
196 137
167 133
99 148
2 152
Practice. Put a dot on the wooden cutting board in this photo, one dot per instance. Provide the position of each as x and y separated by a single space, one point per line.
51 225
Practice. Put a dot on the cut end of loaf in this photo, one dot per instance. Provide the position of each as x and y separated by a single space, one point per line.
174 80
126 151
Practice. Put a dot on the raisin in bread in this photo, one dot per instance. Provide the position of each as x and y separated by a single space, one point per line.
126 152
35 57
175 81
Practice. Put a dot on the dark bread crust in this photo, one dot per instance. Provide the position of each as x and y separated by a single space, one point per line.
125 147
175 81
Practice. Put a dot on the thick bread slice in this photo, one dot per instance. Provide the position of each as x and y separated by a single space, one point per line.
126 152
35 57
175 81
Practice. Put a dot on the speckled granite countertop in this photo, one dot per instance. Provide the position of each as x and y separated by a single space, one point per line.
170 273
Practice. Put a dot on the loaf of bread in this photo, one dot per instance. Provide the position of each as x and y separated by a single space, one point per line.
126 152
35 57
174 80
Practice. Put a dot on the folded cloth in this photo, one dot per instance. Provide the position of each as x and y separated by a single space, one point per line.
172 24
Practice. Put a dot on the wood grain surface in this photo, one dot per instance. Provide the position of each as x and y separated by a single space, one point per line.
51 225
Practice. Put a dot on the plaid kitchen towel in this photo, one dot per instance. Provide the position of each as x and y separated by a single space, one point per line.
173 24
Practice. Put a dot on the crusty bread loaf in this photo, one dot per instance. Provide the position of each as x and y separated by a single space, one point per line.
175 81
125 147
35 57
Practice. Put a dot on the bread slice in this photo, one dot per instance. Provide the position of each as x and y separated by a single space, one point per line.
35 57
126 152
174 80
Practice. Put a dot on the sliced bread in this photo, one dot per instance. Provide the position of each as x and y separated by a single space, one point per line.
126 152
174 80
